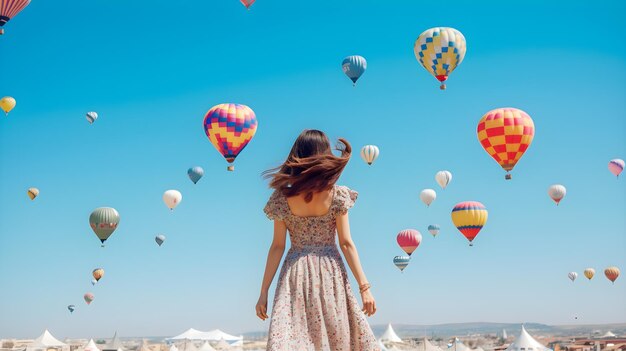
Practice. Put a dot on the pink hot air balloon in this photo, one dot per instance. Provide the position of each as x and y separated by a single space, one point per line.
88 298
616 166
247 3
409 240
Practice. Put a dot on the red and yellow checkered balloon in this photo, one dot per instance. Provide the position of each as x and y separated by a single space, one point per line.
506 133
230 127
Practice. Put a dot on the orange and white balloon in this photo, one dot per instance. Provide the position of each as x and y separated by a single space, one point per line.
612 273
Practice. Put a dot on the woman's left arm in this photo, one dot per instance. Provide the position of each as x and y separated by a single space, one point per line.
352 257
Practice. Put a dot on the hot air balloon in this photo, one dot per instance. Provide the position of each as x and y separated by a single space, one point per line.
612 273
369 153
160 239
506 133
7 103
401 262
434 229
572 276
93 282
172 198
91 117
247 3
469 217
71 308
88 298
557 192
409 240
98 273
428 196
354 66
616 166
195 173
9 9
440 50
230 127
104 221
443 178
32 193
589 273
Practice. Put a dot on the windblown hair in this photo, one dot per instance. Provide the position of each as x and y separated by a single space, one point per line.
311 165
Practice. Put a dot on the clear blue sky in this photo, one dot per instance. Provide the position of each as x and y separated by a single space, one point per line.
151 69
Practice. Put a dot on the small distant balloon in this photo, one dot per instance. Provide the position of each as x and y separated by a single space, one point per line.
443 178
172 198
33 193
71 308
91 117
353 67
160 239
247 3
434 229
440 50
589 273
469 217
428 196
7 103
612 273
557 192
93 282
572 276
616 166
98 273
88 298
103 221
401 262
409 240
369 153
195 173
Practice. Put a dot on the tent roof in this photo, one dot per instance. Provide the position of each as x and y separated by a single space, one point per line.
91 346
428 346
47 340
381 345
206 347
211 335
173 348
390 335
609 334
116 344
525 342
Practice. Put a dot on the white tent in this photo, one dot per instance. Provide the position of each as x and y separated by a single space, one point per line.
115 344
525 342
459 346
46 341
173 348
381 345
609 334
91 346
211 335
206 347
222 345
390 335
427 346
189 346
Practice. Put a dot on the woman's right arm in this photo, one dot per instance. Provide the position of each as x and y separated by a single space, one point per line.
275 254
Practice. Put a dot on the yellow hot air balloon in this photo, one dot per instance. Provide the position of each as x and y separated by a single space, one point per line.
469 217
98 273
589 273
7 103
32 193
440 50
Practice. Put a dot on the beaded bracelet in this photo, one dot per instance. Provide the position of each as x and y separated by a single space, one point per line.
364 287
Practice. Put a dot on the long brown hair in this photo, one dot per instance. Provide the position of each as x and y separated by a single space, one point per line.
311 165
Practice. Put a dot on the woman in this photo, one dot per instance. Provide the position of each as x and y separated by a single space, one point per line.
314 307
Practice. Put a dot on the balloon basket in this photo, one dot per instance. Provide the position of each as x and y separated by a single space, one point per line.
508 176
230 168
442 87
1 31
471 244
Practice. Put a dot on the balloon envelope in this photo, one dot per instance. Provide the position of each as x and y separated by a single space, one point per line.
440 50
230 127
91 117
612 273
71 308
354 66
172 198
401 262
32 193
7 103
469 217
434 229
98 273
616 166
369 153
88 298
409 240
428 196
247 3
103 221
572 276
506 134
443 178
195 173
160 239
589 273
557 192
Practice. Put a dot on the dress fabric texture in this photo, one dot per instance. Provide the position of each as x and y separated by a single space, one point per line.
314 307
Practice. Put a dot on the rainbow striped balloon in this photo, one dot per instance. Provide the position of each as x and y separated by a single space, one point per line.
230 127
469 217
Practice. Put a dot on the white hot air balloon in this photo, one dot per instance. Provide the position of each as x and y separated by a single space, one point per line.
428 196
443 178
369 153
557 192
572 276
172 198
91 117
